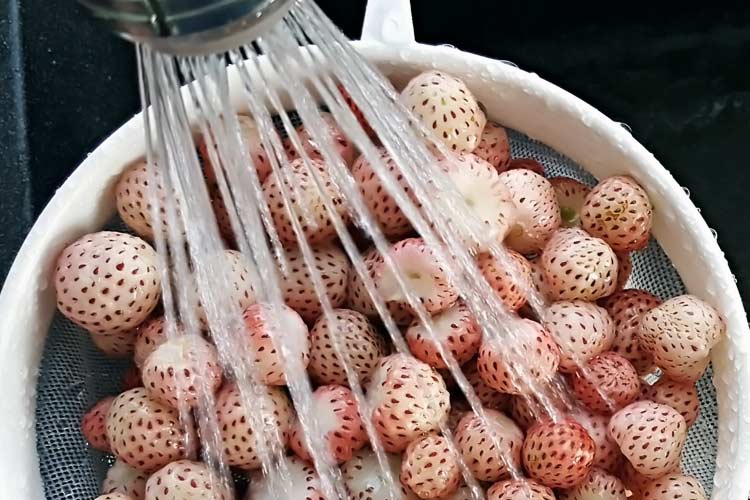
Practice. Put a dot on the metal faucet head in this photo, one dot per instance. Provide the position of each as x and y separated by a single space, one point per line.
190 27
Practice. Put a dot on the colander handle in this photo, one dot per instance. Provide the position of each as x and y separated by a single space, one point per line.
388 22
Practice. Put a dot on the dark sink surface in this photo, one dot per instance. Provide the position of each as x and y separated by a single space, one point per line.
679 77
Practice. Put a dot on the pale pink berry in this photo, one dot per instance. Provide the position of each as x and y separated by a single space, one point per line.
342 145
558 455
305 202
241 292
181 370
510 284
332 267
570 197
335 410
610 382
107 282
114 496
539 279
358 114
519 489
239 438
579 266
430 467
304 483
126 480
679 334
358 298
489 397
682 396
581 330
251 140
455 329
607 456
635 482
186 480
527 164
674 487
266 328
408 399
447 108
598 485
133 193
491 447
494 146
537 215
145 433
650 435
94 422
364 479
151 334
115 345
534 356
618 211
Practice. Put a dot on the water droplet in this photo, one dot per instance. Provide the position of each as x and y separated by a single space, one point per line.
714 233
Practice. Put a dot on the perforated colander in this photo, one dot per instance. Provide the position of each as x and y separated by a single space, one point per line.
51 372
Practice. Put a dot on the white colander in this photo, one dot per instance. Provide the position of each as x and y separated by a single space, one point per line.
41 401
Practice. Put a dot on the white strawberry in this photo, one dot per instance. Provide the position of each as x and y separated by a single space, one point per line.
454 328
527 164
537 215
408 400
133 193
598 485
494 146
341 143
570 197
510 285
618 211
521 489
541 283
107 282
186 480
558 455
489 397
380 203
679 334
579 266
239 438
607 374
423 273
650 435
115 345
536 355
265 326
305 202
304 483
126 480
93 424
581 330
430 467
607 456
361 346
682 396
299 292
114 496
241 292
151 334
335 409
474 440
674 487
635 482
180 369
364 479
356 111
447 108
145 433
358 298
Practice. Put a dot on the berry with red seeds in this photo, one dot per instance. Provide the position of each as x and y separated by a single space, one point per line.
93 424
682 396
636 482
454 328
180 369
570 198
527 164
618 211
241 292
133 199
537 215
151 334
339 421
540 358
607 456
356 111
581 330
447 108
379 201
186 480
107 282
341 143
598 485
650 435
538 278
430 467
679 334
626 308
489 397
126 480
674 487
360 345
358 299
519 489
579 266
145 433
115 345
315 222
332 267
364 480
558 455
304 483
610 375
494 146
510 285
408 400
491 448
238 437
114 496
265 325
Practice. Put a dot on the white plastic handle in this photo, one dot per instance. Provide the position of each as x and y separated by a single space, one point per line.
388 22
